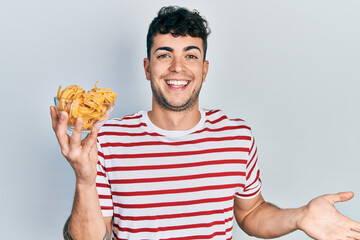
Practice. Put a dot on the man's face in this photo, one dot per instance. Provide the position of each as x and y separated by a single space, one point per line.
176 70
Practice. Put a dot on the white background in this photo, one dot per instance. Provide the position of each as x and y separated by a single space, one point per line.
290 68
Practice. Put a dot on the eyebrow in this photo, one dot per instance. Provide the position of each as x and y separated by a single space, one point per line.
169 49
191 47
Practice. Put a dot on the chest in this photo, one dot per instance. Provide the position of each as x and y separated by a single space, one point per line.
175 173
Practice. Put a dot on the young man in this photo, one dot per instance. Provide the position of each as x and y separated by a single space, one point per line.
179 171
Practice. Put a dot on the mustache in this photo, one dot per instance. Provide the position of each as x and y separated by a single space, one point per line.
177 75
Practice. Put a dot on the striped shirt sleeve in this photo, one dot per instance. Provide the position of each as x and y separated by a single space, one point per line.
103 186
252 183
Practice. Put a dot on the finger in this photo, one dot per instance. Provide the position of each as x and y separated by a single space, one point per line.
355 235
75 140
59 125
91 140
63 122
340 197
54 117
355 227
94 154
89 135
60 132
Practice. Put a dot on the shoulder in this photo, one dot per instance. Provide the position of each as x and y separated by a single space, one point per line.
127 123
217 116
127 119
221 124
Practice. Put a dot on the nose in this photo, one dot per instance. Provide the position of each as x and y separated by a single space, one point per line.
176 65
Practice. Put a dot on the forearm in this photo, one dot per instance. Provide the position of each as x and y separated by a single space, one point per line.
268 221
86 221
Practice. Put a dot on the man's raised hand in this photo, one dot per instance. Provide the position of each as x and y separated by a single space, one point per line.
81 154
322 221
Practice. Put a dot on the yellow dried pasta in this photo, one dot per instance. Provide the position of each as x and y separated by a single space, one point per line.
92 106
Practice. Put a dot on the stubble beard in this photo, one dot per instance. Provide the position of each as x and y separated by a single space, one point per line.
163 102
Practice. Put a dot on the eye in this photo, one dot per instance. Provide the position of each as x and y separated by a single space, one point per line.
192 56
164 55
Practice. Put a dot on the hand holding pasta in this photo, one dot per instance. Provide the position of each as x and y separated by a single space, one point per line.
94 106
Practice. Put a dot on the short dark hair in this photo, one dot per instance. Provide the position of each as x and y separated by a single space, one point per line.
179 22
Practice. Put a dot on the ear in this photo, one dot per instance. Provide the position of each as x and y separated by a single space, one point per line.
147 68
205 70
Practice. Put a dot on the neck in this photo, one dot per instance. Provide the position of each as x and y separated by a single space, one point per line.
175 121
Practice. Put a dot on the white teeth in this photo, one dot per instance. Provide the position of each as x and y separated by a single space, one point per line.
177 82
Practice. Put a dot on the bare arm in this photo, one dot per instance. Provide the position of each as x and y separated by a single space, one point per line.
259 218
107 236
319 219
86 221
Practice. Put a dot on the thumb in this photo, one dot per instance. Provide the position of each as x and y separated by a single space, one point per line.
90 140
340 197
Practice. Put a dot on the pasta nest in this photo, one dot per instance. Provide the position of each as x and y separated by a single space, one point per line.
93 106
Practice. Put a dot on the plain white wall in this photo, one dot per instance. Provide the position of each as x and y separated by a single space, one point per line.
290 68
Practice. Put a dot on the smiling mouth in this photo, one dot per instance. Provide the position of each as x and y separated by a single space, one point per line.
177 83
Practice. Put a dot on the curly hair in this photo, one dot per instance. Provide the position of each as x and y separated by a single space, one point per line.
179 22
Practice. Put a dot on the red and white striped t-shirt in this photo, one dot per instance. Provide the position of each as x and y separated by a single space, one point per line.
177 185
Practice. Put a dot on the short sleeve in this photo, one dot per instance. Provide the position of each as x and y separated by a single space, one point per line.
103 186
252 184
